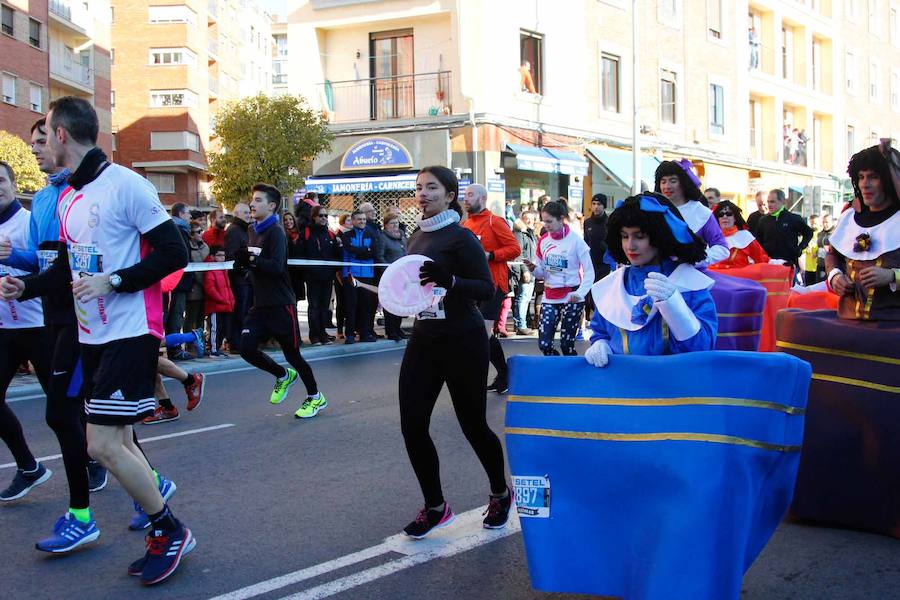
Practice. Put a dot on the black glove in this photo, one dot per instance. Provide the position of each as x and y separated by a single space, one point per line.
242 258
431 272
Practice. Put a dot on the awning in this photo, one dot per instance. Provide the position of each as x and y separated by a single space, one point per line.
545 160
617 164
359 185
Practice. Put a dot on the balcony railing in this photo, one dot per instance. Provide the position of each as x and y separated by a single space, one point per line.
386 98
68 65
213 86
74 13
212 7
212 45
61 8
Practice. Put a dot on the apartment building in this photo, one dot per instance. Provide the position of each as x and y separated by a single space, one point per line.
176 64
530 99
49 50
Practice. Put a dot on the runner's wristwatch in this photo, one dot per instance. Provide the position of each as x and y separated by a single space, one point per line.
115 281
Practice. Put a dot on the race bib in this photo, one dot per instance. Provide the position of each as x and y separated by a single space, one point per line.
46 259
556 263
85 258
532 496
437 309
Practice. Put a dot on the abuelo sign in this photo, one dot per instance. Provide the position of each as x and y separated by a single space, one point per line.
375 153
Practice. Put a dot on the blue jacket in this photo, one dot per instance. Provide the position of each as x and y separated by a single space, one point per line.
359 249
44 227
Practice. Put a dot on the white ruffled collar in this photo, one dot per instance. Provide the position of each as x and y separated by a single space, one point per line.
615 303
740 239
695 214
885 236
439 221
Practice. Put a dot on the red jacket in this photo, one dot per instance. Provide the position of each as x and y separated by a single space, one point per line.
495 236
217 294
214 237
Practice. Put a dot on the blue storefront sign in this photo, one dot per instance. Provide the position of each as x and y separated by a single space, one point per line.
576 193
361 185
496 185
376 153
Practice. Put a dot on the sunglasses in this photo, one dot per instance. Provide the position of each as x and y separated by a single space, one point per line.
726 213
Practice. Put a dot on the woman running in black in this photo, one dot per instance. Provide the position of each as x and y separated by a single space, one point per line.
449 345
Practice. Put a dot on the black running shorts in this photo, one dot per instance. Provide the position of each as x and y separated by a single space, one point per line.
120 378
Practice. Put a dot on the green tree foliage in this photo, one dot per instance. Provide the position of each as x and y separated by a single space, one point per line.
15 151
265 139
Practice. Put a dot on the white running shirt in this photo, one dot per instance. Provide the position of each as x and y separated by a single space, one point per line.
102 224
15 314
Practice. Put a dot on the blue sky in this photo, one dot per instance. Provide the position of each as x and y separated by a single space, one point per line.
278 7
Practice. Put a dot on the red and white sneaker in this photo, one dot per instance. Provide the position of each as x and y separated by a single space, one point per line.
195 392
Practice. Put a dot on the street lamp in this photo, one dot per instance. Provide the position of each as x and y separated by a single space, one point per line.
635 121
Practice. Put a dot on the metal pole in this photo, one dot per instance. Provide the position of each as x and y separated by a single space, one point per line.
635 94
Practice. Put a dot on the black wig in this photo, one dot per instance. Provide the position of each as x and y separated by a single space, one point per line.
688 187
738 217
871 159
629 214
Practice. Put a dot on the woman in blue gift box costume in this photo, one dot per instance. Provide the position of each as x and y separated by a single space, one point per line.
660 303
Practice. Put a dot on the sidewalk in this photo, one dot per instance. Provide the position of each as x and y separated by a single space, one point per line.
27 385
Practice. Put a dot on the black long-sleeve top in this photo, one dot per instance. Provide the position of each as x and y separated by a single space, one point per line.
269 270
458 250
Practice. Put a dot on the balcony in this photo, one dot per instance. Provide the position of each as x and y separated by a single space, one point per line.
67 69
388 98
212 11
213 88
205 200
72 16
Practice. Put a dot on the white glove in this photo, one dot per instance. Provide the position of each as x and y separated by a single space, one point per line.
659 287
776 261
598 353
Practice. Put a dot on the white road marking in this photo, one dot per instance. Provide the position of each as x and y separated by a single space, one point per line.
142 440
246 367
465 533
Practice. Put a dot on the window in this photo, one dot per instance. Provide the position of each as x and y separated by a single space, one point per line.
667 12
531 51
874 83
167 98
163 182
851 9
112 56
895 27
851 140
112 98
667 89
34 33
817 65
36 97
172 14
281 47
172 56
174 140
787 52
850 72
716 109
9 89
7 19
895 90
873 16
610 82
714 18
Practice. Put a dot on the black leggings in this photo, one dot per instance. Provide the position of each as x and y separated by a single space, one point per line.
319 295
460 361
279 322
16 347
65 410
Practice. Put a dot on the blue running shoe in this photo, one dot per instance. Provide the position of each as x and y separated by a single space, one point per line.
68 534
164 553
199 342
580 335
141 520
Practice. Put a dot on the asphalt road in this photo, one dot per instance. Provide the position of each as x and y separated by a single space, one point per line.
310 509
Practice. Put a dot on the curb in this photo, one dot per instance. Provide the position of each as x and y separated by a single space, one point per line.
215 365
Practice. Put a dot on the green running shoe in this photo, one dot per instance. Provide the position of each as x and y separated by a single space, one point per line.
281 387
311 406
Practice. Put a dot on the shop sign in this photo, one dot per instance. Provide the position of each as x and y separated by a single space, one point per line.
496 185
374 153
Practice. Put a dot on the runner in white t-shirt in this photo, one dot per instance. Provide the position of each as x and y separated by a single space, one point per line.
21 324
119 243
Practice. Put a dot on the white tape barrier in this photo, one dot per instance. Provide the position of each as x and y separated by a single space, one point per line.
292 262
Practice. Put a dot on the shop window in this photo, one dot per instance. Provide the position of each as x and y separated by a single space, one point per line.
531 61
